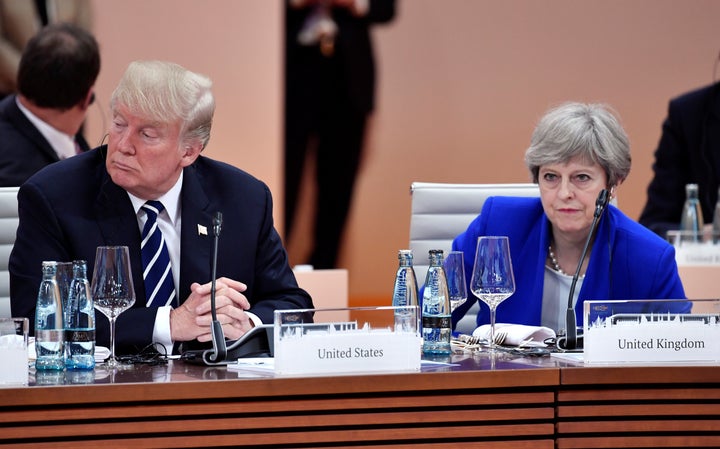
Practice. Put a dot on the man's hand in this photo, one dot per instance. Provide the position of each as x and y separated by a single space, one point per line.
193 319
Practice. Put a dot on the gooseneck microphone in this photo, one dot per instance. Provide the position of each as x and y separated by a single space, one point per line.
571 339
218 337
257 342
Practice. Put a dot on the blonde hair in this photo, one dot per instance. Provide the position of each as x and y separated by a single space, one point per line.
166 92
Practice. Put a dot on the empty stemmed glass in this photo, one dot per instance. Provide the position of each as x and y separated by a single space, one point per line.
454 266
492 279
112 288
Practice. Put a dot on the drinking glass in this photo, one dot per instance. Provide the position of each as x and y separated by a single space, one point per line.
492 278
454 266
112 288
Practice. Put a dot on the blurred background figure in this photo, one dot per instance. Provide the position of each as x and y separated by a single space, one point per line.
22 19
329 95
41 124
688 153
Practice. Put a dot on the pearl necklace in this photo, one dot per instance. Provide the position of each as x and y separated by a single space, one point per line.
553 259
556 265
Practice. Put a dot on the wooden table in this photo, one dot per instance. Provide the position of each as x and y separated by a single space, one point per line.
477 403
181 405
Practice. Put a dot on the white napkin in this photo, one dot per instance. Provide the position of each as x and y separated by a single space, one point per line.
101 352
517 334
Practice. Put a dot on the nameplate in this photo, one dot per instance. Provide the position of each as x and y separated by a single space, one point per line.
357 350
697 254
654 338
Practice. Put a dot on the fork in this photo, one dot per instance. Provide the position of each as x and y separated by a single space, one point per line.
500 337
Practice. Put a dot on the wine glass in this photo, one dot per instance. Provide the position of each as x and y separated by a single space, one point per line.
112 288
454 266
492 278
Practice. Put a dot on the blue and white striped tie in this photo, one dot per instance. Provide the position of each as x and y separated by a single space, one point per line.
159 284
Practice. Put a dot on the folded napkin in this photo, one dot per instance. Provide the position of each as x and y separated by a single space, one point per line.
101 352
517 334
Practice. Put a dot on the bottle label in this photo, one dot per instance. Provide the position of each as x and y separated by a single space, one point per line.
80 335
49 335
436 322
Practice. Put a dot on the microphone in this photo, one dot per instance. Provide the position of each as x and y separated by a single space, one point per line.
218 337
257 342
571 340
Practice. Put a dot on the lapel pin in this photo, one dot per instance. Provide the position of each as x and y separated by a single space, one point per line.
202 230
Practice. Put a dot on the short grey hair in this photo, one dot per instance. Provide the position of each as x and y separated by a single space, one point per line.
590 131
167 92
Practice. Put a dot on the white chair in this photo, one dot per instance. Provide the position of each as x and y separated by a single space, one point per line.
8 228
442 211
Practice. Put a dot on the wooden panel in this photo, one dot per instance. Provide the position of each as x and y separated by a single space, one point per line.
660 426
676 374
641 395
629 410
639 442
648 406
231 441
407 409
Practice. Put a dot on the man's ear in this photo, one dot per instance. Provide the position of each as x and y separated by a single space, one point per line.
191 151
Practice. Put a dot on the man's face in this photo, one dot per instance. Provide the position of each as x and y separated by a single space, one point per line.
145 157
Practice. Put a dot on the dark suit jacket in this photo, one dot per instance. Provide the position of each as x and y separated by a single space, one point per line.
70 208
353 57
688 152
23 150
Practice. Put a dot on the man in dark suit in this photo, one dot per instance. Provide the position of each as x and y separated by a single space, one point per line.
161 119
41 124
688 153
329 94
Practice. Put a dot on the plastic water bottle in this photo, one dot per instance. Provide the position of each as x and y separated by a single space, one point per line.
79 321
716 221
49 322
405 293
436 325
691 223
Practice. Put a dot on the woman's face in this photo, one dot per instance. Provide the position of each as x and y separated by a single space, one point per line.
569 192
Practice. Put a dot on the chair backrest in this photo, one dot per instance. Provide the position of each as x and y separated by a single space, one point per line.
8 228
441 211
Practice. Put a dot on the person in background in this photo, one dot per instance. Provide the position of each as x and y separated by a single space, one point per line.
329 95
41 124
151 169
576 151
686 154
20 20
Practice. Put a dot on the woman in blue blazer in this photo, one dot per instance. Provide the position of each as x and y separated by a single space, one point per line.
576 151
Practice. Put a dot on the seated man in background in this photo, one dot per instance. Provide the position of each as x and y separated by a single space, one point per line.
41 124
151 170
576 151
688 153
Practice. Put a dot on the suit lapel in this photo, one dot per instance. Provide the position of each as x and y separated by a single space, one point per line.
196 234
118 225
24 125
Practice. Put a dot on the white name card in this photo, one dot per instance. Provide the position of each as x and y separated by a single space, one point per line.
695 254
359 350
666 340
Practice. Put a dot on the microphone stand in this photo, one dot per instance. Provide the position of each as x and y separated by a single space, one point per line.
570 318
218 337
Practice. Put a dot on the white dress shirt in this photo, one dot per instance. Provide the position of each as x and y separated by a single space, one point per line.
63 144
170 223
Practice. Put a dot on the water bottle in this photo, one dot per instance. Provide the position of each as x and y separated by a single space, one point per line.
79 321
716 221
691 223
436 326
49 322
405 293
